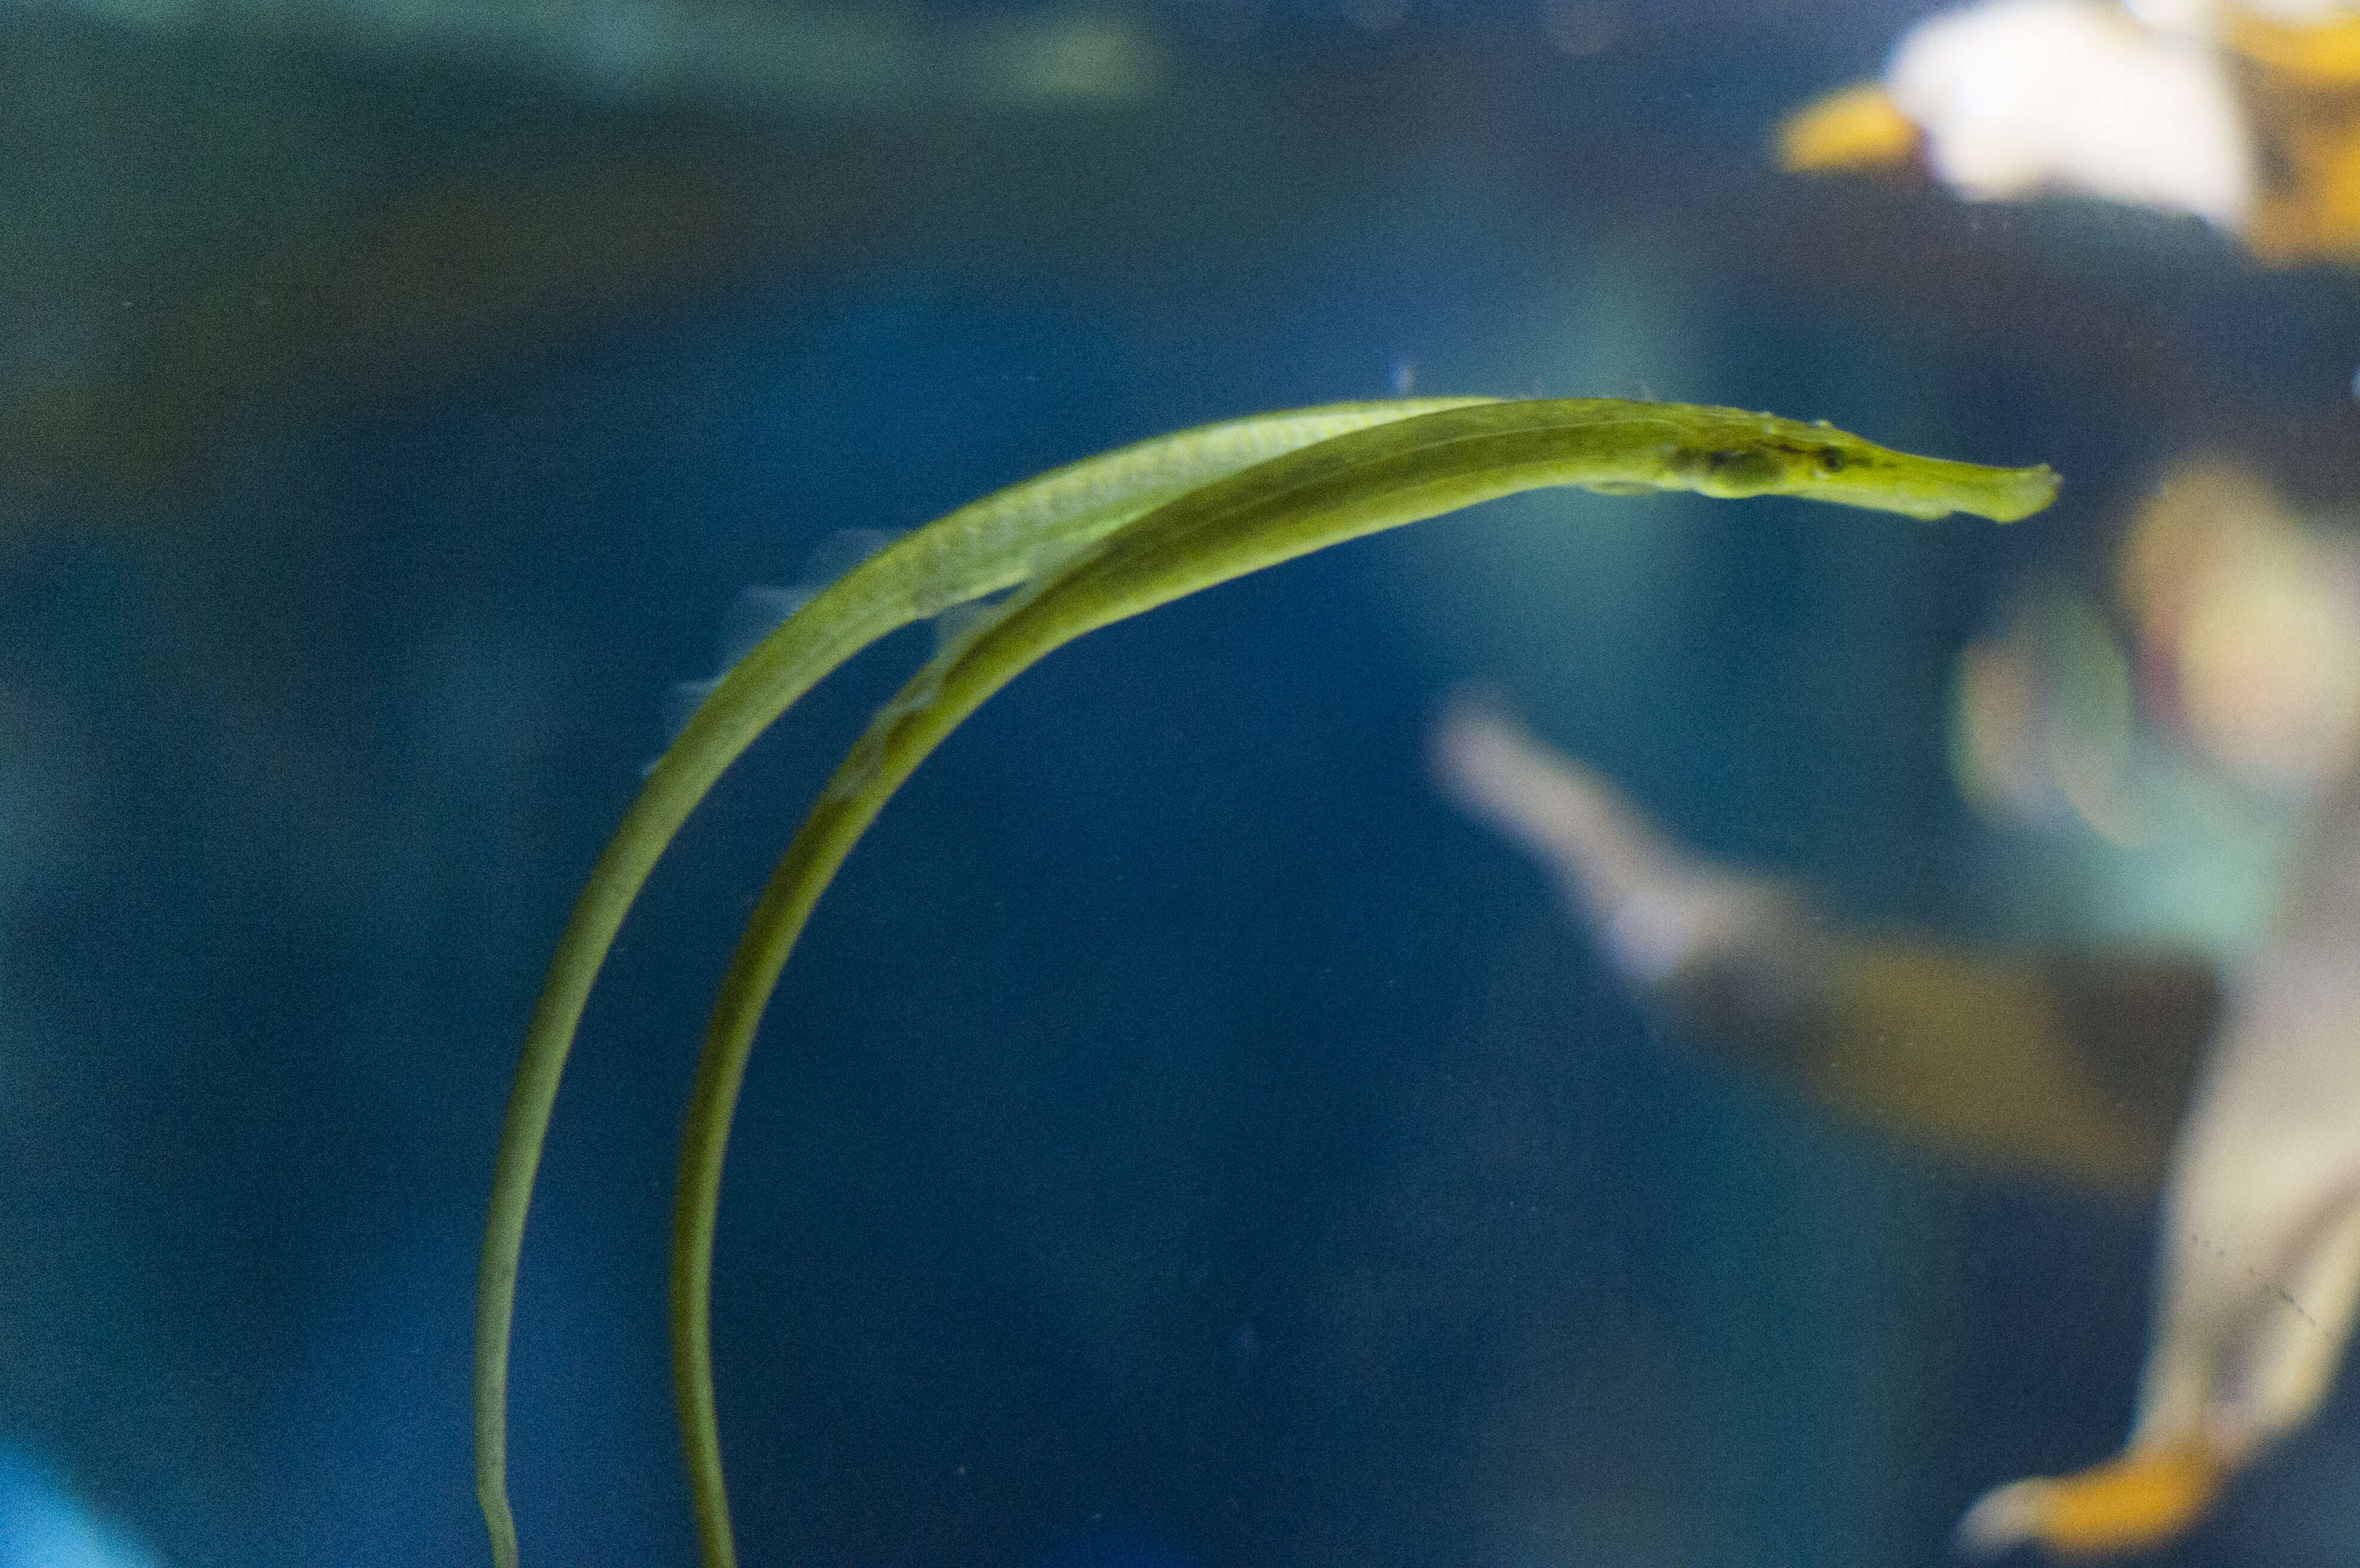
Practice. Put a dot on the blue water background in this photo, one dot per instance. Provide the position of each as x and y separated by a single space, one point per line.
1182 1137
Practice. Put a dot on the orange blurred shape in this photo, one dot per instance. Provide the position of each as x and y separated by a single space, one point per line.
2131 1503
1853 128
2313 213
2318 54
2306 98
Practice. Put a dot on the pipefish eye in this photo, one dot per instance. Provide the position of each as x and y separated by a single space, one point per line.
1829 462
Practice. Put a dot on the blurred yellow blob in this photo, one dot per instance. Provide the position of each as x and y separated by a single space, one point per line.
2249 625
1853 128
2306 95
2186 531
2317 217
2321 53
2269 671
2130 1503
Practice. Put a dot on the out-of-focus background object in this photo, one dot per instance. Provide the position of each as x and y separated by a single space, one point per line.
2247 116
395 394
2067 1068
2258 1280
2072 1068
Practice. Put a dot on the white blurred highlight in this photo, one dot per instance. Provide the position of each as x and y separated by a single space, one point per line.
2022 97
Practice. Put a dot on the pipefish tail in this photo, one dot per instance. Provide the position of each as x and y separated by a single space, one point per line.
1084 546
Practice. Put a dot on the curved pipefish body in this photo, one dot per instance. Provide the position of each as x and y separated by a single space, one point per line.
1163 542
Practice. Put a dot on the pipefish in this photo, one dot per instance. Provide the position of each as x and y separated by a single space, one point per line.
1084 547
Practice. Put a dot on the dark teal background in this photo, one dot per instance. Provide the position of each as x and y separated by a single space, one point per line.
1182 1137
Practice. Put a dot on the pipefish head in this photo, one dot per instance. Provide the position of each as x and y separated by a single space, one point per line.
1760 454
